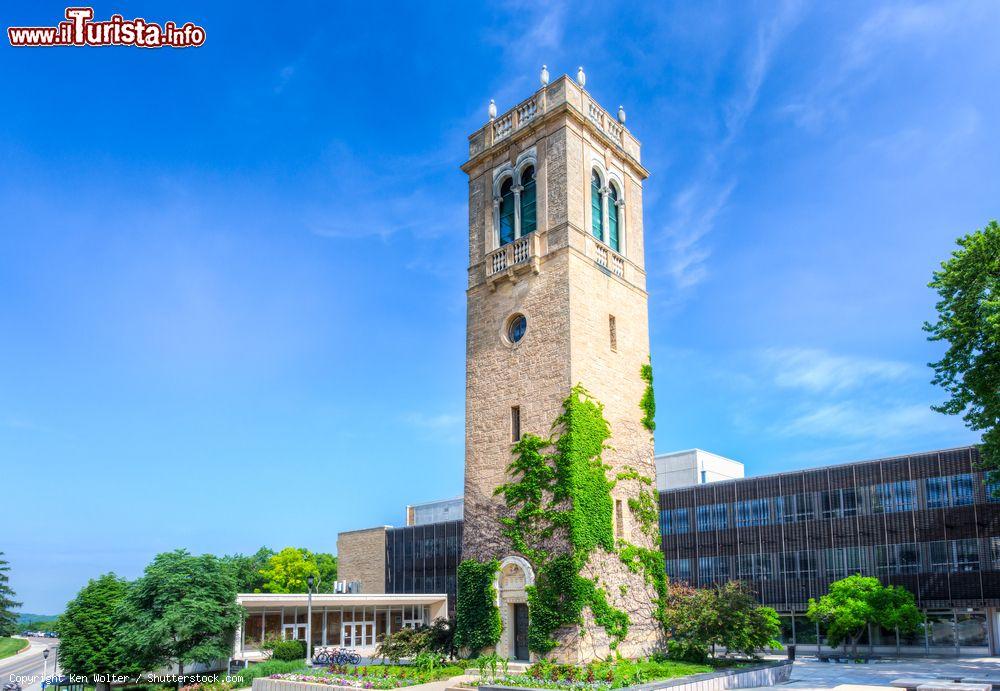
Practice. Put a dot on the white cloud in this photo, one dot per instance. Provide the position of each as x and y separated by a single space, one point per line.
847 420
819 371
697 207
864 52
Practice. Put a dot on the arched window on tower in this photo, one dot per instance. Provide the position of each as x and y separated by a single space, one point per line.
528 194
613 217
596 210
507 211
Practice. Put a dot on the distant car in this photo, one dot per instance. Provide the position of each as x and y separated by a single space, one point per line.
12 686
51 634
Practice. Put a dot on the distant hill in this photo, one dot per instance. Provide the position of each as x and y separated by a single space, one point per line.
28 618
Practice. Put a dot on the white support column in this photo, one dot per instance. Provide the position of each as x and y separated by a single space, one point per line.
495 235
621 226
604 214
517 189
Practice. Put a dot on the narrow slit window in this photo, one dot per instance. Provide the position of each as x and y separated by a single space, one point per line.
515 423
613 333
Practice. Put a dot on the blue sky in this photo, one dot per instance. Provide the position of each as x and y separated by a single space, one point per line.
232 277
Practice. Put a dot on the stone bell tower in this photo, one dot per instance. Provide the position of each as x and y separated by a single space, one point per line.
556 297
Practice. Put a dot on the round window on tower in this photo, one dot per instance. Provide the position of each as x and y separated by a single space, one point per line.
516 326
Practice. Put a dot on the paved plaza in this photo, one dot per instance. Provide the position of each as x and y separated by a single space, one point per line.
808 673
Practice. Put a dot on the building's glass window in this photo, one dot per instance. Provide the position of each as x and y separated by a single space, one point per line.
507 211
713 569
840 562
955 490
837 503
966 555
613 217
937 492
962 492
941 629
897 559
970 629
940 556
995 551
753 567
752 512
596 212
679 569
528 197
893 497
954 556
674 522
805 630
800 564
794 508
993 491
712 517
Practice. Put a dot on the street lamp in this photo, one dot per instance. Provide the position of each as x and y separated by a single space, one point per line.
309 619
45 664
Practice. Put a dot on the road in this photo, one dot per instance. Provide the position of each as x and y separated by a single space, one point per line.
30 666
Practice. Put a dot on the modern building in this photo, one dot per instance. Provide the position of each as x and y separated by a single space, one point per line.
354 620
438 511
926 522
693 467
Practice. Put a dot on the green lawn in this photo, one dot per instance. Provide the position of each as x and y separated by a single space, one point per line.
9 646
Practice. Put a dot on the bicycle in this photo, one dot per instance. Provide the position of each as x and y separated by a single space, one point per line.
336 656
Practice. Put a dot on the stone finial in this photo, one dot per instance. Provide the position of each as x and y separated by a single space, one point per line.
621 114
545 75
581 78
493 110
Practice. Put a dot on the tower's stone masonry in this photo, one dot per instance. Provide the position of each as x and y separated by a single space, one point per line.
568 285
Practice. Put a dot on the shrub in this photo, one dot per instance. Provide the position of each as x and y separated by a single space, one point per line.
290 650
265 669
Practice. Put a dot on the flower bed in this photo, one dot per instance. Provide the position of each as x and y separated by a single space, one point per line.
596 676
372 676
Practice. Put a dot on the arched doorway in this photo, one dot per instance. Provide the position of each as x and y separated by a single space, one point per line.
514 576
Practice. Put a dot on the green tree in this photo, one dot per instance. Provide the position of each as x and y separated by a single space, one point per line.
857 601
740 624
246 569
968 286
286 571
182 610
88 630
8 619
699 619
326 567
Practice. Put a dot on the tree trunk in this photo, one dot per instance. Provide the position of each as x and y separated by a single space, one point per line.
180 674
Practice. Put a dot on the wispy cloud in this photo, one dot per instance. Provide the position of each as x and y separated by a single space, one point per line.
698 205
864 53
861 420
819 371
447 427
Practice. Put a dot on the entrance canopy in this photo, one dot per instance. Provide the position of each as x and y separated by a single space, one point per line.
350 620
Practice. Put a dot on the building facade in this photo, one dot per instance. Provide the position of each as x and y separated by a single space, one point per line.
556 297
424 559
694 467
927 522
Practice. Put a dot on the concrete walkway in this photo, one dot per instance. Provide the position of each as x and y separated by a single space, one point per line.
809 674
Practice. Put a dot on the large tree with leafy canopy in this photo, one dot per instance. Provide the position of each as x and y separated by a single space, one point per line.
246 569
8 619
854 602
968 285
287 571
182 610
88 630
